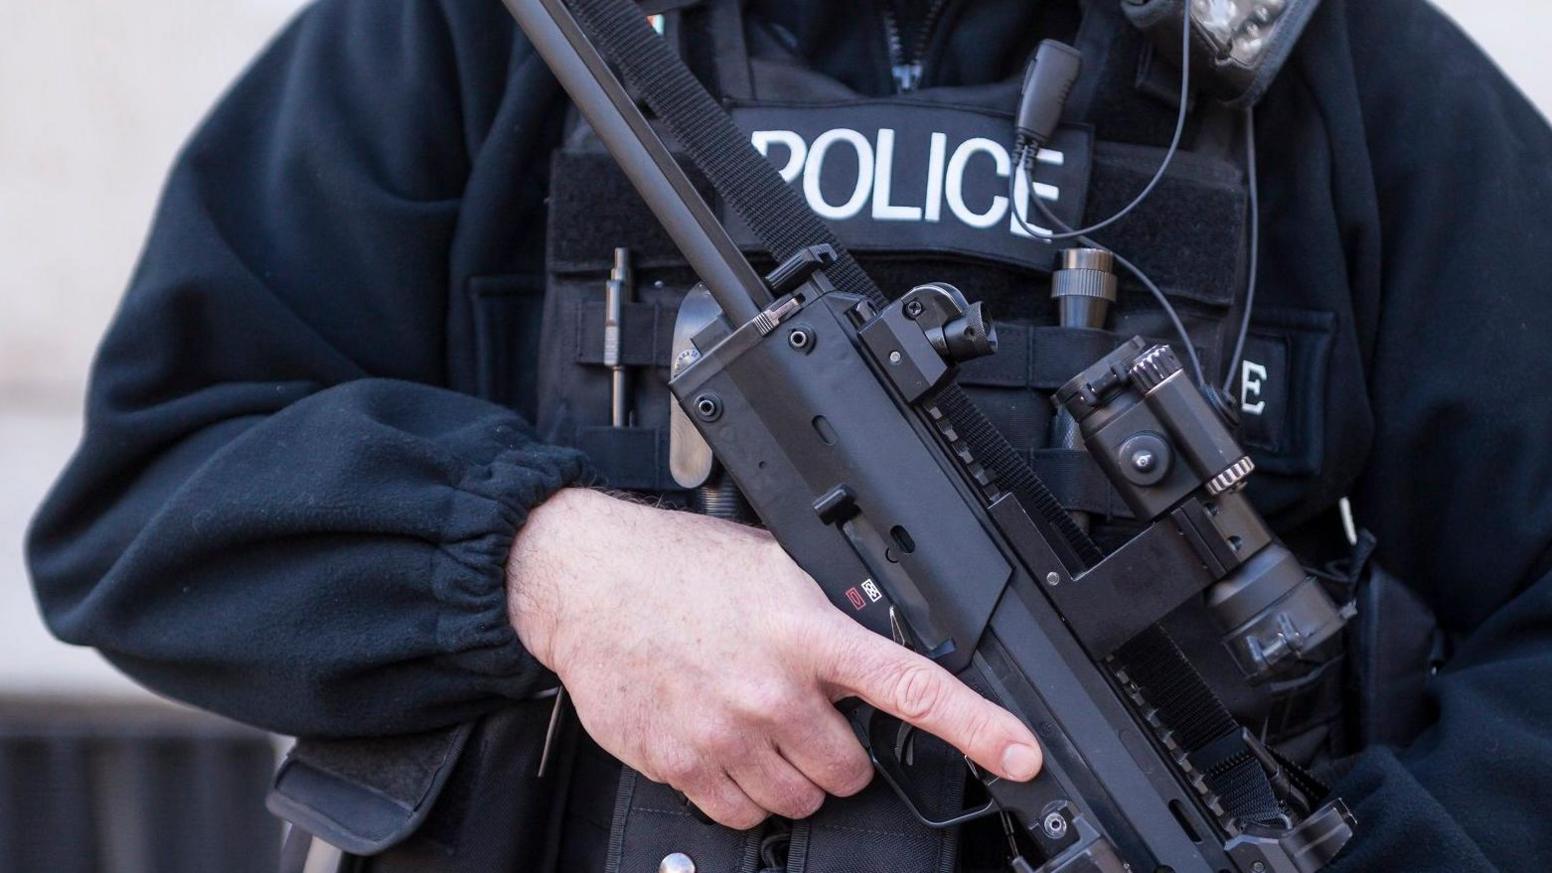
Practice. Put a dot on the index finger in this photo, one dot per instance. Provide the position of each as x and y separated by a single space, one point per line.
902 683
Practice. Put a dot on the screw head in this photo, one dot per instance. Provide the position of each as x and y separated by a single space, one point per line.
1055 825
913 309
1053 579
894 357
708 407
1258 867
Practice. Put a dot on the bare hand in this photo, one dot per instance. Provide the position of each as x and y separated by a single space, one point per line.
698 653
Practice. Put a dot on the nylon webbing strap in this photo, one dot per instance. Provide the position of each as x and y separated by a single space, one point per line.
1201 724
746 181
782 220
992 450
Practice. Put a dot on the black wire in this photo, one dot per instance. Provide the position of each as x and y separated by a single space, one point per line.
1254 265
1255 250
1027 159
1169 156
1153 288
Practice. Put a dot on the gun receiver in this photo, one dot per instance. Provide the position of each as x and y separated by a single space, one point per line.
837 418
825 413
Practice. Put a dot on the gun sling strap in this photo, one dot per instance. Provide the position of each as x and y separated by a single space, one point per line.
779 218
1218 748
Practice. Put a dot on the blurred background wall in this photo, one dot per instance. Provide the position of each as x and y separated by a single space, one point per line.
95 97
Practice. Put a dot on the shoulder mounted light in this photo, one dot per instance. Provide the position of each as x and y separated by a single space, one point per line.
1242 44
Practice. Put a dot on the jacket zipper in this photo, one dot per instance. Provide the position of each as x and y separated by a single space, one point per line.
906 62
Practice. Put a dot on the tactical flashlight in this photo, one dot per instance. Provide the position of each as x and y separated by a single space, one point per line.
1167 452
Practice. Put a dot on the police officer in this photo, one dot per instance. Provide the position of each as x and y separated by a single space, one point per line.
333 479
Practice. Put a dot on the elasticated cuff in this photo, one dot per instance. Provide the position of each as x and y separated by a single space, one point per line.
469 572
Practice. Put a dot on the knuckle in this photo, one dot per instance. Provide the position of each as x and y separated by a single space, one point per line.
843 771
676 769
790 627
917 692
721 747
716 808
739 816
810 803
837 647
799 803
681 774
716 739
978 730
853 775
845 641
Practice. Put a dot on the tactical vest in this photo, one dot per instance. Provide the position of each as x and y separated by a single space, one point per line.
917 186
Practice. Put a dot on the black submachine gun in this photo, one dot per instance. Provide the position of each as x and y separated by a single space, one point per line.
834 410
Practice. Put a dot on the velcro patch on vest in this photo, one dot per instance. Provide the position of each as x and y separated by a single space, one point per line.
906 177
1281 388
593 209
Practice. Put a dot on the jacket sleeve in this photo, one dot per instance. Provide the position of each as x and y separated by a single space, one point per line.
276 511
1459 483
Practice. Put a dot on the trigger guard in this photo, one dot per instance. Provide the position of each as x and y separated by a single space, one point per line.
864 720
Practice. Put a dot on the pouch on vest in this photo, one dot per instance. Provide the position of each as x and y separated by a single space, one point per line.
365 796
464 800
864 832
1396 646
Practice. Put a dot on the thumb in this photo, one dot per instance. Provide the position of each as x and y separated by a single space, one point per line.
913 689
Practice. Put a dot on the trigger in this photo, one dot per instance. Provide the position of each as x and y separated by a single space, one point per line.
905 745
860 716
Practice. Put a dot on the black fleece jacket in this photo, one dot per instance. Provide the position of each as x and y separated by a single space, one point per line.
290 506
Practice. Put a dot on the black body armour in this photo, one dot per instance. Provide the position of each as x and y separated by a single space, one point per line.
917 187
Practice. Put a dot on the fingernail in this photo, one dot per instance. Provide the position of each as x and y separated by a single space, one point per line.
1020 762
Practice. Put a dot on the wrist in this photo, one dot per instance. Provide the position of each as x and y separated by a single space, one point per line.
536 569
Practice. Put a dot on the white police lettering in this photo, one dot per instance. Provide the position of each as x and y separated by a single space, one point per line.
935 156
1017 222
1252 376
954 183
797 149
813 169
948 174
883 183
